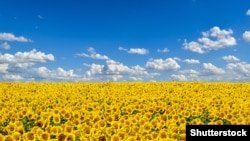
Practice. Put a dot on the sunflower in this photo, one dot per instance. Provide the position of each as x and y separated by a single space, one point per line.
96 118
219 122
30 136
147 127
68 129
16 136
102 124
102 138
8 138
20 129
61 137
174 136
109 119
164 117
143 120
84 138
183 137
109 131
135 129
131 138
115 137
18 123
122 135
176 117
182 129
87 131
154 135
39 132
2 138
240 120
147 137
128 122
76 122
70 137
76 115
54 130
67 115
11 128
115 124
56 118
116 116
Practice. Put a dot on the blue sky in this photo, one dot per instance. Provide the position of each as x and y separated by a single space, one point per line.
124 40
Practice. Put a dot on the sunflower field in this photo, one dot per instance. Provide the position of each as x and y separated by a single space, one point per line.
117 111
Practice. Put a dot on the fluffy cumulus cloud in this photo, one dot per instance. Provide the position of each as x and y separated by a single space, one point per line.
5 45
186 75
246 36
213 39
212 69
26 66
248 12
178 77
11 37
93 55
12 77
114 71
21 60
190 72
230 58
45 74
160 64
163 50
242 68
141 51
4 68
191 61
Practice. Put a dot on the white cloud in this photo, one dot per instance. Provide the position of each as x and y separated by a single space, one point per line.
193 46
179 77
133 78
160 64
4 68
25 59
240 67
115 68
246 36
12 77
230 58
191 61
213 39
163 50
189 71
141 51
33 56
44 73
5 45
94 69
114 71
177 58
248 12
210 68
93 55
186 75
11 37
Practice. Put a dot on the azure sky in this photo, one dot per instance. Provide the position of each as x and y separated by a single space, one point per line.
125 40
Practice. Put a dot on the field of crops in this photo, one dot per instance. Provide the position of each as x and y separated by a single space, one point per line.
117 111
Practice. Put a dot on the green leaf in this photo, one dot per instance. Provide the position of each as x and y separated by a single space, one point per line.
135 112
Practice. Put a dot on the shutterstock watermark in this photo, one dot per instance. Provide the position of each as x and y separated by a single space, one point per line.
217 132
